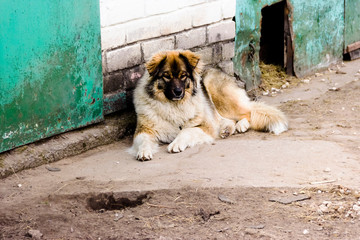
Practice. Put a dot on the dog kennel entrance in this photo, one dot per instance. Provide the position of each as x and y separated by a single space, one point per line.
275 39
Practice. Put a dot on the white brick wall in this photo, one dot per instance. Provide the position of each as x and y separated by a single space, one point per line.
132 30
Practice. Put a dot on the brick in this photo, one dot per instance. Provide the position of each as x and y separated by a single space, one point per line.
206 55
227 67
153 46
228 8
143 29
112 37
206 13
153 7
221 31
228 50
114 82
175 22
190 39
123 58
115 11
123 80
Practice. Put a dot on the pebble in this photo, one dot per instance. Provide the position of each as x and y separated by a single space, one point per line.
327 170
356 208
118 217
305 232
305 81
334 89
35 234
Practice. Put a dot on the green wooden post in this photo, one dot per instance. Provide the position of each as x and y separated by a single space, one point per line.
50 68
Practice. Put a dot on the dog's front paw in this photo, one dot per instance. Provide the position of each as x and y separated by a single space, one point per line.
177 146
144 155
242 125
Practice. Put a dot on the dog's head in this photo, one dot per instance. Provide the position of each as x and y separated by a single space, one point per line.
173 75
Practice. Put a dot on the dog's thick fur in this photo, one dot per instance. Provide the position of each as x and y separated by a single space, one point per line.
179 104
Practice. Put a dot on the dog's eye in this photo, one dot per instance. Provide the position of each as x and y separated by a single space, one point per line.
183 76
166 76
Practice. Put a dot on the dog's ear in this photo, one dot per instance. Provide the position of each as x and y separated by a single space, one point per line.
192 59
155 63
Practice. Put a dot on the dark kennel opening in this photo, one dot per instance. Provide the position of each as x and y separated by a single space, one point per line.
275 41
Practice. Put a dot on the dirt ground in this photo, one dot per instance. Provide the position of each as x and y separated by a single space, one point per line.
60 205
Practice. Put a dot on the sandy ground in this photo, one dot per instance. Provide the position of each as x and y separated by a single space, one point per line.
227 190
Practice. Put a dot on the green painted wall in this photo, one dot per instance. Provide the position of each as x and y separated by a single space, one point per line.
317 32
51 76
352 21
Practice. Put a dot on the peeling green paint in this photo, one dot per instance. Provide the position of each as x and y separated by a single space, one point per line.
317 33
51 77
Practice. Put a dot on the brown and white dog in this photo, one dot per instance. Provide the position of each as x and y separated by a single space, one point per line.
179 104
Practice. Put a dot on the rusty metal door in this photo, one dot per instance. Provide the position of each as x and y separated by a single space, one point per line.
50 68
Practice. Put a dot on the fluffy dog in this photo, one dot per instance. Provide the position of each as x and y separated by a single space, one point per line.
177 103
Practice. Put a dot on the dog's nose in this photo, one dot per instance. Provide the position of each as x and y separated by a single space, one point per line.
177 92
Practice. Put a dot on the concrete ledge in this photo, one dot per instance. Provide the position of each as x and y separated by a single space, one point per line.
67 144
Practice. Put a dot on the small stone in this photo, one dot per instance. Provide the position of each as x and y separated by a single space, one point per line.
340 72
318 74
356 208
290 199
323 208
265 93
35 234
52 169
323 80
327 170
19 185
305 232
225 199
305 81
334 89
118 216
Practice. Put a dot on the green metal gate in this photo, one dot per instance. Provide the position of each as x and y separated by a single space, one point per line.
50 68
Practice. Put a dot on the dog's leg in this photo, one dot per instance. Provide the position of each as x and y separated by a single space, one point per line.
227 127
189 137
144 146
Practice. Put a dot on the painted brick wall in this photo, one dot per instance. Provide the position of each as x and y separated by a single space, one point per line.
133 30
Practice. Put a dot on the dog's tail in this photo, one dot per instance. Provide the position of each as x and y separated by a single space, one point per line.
267 118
